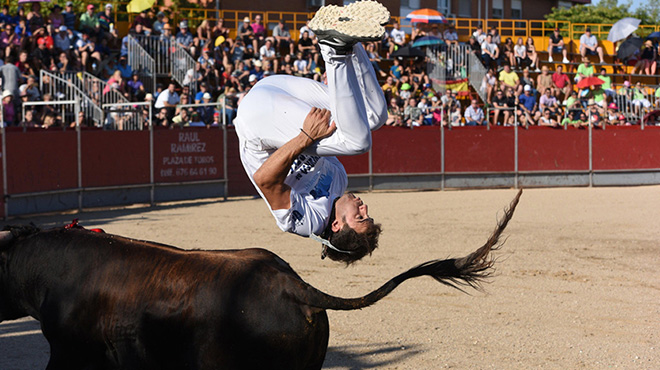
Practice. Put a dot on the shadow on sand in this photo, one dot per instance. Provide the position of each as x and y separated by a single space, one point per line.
363 356
22 346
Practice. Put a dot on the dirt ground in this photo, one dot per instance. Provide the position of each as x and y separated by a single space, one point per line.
577 282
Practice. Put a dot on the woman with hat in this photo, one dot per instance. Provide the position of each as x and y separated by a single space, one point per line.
56 18
8 109
648 60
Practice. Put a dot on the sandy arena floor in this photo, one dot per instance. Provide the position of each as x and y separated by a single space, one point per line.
577 282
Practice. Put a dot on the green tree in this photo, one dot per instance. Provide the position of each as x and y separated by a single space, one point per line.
607 12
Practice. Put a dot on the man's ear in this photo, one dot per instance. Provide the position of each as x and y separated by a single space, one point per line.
337 225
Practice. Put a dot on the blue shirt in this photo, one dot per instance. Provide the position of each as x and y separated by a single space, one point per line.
528 101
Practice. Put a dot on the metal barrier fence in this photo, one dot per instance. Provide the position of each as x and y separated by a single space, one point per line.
183 67
95 88
141 62
160 50
62 89
477 72
436 68
67 106
133 116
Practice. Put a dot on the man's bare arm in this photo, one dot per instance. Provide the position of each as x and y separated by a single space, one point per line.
271 175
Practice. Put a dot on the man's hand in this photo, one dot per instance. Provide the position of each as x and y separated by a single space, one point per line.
316 124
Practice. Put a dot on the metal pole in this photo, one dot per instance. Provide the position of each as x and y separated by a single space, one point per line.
151 158
79 150
225 161
591 156
515 154
442 151
4 162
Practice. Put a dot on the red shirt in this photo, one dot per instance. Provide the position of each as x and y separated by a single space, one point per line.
560 80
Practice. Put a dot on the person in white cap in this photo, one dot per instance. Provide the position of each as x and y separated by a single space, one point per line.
206 112
290 129
184 37
62 40
245 33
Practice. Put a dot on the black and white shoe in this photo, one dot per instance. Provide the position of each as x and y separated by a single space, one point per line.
341 27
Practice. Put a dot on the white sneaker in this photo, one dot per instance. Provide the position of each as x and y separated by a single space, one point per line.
565 61
537 70
550 59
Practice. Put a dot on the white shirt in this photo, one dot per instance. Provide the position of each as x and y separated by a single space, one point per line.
315 183
166 96
399 36
589 41
309 32
266 52
490 47
450 36
519 50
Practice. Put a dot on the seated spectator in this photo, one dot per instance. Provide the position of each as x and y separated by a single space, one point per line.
136 87
259 30
396 71
159 23
195 120
647 62
495 35
204 31
547 119
7 18
561 83
507 52
144 21
489 85
31 88
595 113
556 45
450 36
500 105
455 116
89 23
511 103
62 40
29 120
168 99
549 103
585 69
589 45
490 53
283 39
474 115
300 66
406 92
544 80
184 37
528 108
520 54
8 109
448 100
479 34
9 40
182 119
526 79
69 16
374 58
35 21
394 113
640 98
398 38
532 54
206 112
607 83
161 120
612 116
508 79
42 58
106 21
267 53
245 33
412 116
24 66
473 46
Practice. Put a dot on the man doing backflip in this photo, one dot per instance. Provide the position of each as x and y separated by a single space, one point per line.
290 129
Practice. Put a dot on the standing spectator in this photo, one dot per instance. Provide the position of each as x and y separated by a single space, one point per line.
259 31
282 37
490 53
585 69
589 45
556 45
528 107
532 55
69 16
509 79
89 23
398 37
474 115
561 83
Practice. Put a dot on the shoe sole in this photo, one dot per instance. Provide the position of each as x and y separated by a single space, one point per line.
353 21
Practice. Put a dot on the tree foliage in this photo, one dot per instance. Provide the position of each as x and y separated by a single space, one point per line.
607 12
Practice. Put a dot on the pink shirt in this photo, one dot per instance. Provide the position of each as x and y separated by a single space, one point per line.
258 29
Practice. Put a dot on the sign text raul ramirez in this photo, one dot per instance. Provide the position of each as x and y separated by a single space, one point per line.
190 155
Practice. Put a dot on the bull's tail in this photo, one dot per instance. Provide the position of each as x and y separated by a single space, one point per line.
470 270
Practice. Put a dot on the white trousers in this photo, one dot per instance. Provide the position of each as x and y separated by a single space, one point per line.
272 113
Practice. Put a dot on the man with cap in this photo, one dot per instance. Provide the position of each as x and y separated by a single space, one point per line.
184 37
203 88
556 45
245 33
206 112
290 129
106 19
528 107
41 56
89 23
62 40
589 45
69 16
159 23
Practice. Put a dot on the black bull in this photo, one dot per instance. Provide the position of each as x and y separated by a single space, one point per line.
108 302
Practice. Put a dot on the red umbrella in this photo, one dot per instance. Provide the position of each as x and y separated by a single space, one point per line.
589 81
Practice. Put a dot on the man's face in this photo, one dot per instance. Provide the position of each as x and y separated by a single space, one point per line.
257 19
389 80
560 69
507 68
351 210
474 104
170 88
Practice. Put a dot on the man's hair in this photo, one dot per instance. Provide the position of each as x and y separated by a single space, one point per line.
349 240
354 245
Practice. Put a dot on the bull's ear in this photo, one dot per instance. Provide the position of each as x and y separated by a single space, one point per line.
5 238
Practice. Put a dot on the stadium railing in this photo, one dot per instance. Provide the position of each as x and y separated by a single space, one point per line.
160 51
63 89
141 62
182 64
130 116
67 108
95 88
